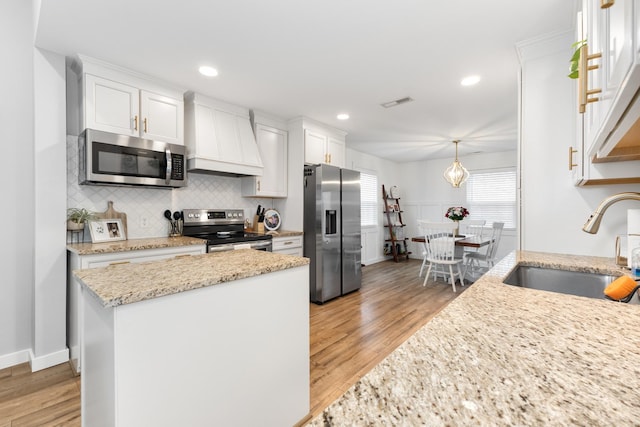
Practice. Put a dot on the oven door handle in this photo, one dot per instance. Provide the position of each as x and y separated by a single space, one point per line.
261 244
220 248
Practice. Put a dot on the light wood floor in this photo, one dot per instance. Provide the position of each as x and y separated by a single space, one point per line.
348 336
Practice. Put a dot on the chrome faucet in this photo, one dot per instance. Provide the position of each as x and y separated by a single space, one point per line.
593 223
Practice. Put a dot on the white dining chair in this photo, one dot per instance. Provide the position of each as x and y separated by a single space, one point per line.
474 227
481 262
440 250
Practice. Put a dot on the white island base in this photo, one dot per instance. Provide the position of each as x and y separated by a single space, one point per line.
232 354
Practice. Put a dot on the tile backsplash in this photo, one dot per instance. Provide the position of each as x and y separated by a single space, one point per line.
147 204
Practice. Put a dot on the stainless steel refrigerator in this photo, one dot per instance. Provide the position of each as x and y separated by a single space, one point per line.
332 237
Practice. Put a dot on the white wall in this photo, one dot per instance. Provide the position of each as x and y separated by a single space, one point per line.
553 210
50 289
16 133
388 174
426 194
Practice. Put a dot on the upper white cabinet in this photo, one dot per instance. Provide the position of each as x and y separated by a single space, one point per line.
115 100
611 70
272 141
609 126
322 143
219 138
322 148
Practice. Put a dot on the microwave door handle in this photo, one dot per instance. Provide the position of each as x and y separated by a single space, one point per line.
169 166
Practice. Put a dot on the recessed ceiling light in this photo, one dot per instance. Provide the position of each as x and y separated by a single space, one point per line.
343 116
205 70
470 80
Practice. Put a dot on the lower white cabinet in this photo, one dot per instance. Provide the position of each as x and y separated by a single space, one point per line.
213 356
288 245
74 289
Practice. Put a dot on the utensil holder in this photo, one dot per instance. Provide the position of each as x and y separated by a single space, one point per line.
176 228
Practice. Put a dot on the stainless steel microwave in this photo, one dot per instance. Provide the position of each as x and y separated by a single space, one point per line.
108 158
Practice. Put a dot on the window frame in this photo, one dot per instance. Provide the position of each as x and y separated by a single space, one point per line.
511 169
374 202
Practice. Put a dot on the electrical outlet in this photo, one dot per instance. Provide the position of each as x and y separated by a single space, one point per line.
144 222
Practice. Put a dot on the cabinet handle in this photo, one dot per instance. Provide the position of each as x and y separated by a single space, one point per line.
182 256
288 243
329 158
258 185
135 123
119 262
571 164
584 93
326 158
605 4
145 125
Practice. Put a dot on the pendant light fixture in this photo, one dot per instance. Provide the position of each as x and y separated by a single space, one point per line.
456 174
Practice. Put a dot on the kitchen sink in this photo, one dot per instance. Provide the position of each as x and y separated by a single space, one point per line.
589 285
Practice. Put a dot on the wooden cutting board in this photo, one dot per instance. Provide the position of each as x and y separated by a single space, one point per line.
111 213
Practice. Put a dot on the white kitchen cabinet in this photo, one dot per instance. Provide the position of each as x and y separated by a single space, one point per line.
227 346
81 262
320 147
272 144
122 102
111 106
219 138
604 126
291 245
607 145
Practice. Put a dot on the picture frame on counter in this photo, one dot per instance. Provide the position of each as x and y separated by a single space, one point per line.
106 230
272 220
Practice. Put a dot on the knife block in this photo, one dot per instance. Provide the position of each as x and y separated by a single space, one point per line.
258 227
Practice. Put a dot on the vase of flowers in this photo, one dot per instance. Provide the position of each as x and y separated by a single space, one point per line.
457 214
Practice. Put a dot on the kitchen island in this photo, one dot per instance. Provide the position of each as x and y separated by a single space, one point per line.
213 339
505 355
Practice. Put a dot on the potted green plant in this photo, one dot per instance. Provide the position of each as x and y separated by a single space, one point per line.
76 218
575 59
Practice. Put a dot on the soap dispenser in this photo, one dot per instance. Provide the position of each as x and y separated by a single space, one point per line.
633 240
635 262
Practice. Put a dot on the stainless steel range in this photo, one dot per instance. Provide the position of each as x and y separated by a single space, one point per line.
223 229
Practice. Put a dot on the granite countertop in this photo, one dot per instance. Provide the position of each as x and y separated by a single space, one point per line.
505 355
132 245
129 283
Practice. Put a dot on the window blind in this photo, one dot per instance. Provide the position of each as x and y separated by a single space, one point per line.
368 199
491 195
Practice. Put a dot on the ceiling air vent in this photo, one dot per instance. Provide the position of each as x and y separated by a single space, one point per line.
397 102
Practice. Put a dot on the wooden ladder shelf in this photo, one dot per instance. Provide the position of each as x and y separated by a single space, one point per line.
394 246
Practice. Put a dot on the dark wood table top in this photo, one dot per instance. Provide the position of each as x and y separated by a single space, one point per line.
471 241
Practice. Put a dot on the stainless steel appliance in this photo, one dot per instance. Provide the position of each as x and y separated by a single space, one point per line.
223 229
109 158
332 237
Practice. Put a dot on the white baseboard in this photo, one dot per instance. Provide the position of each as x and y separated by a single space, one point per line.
8 360
376 260
48 360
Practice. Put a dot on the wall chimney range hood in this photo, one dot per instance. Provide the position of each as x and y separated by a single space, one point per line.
219 138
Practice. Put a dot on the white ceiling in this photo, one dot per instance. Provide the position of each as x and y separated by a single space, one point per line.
318 58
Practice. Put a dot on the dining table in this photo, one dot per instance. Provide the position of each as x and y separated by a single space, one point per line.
461 242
